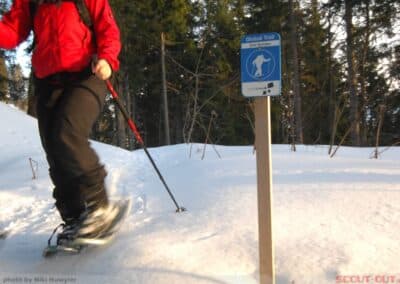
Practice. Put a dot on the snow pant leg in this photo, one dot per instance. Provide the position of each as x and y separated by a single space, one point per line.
72 204
66 117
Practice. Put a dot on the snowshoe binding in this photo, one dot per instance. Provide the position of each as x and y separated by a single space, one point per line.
95 228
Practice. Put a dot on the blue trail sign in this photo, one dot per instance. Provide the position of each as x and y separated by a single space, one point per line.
260 56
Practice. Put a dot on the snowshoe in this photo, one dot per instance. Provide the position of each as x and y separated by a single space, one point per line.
94 229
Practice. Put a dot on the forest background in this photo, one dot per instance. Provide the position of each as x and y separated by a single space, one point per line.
180 72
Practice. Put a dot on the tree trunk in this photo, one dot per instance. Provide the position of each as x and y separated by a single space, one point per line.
296 76
363 84
164 91
3 78
351 76
382 109
121 123
131 106
332 110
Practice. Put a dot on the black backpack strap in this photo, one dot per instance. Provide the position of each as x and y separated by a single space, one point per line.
84 13
33 5
32 9
80 6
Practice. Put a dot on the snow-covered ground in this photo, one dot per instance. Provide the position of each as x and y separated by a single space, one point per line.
335 220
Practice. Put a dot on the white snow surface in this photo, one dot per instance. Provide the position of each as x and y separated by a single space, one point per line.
334 219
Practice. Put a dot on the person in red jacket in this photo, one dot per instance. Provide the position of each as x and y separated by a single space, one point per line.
70 63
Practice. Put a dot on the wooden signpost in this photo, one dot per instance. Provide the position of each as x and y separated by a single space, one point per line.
261 79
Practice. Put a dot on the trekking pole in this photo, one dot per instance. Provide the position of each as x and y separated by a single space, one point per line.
133 127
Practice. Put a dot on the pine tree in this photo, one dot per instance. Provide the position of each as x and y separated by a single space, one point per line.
216 95
318 75
271 16
17 85
142 23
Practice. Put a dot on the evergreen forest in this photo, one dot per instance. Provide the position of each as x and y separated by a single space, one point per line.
180 72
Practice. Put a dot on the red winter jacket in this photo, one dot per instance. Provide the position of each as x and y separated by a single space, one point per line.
62 41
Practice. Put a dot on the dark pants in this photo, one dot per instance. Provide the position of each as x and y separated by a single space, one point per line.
67 108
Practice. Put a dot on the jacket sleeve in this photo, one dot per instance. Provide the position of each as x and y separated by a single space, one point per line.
106 31
15 25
